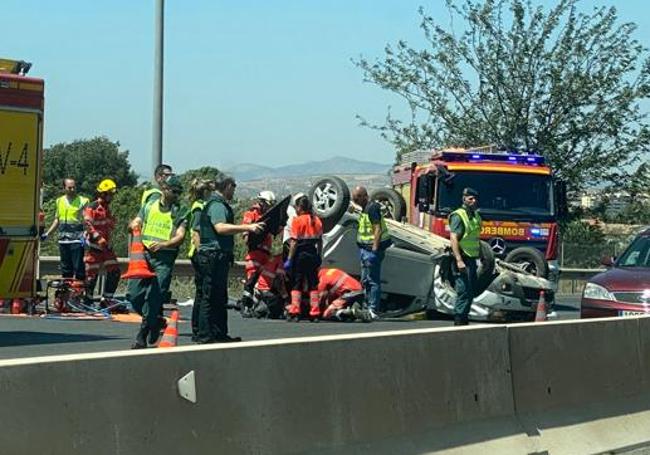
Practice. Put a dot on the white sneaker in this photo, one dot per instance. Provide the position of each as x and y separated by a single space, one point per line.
374 316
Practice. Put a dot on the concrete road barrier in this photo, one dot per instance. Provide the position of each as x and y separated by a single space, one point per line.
565 387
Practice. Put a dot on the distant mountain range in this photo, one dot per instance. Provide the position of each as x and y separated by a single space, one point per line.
336 166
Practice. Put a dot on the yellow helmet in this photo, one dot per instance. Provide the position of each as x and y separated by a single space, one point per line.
106 185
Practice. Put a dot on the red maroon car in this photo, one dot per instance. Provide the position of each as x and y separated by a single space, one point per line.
624 289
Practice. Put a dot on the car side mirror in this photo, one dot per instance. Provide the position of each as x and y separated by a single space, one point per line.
607 261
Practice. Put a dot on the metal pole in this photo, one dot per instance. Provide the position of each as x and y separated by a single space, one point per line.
157 143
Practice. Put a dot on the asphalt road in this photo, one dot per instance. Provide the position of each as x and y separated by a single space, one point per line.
35 336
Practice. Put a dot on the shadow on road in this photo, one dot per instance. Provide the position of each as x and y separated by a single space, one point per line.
24 338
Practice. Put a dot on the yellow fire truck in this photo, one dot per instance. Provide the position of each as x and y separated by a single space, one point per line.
21 148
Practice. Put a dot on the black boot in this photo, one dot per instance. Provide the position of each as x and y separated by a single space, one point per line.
459 320
141 338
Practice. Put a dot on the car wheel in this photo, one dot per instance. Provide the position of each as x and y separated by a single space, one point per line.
485 272
330 197
530 259
391 202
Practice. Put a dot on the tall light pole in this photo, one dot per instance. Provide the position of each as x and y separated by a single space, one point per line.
159 38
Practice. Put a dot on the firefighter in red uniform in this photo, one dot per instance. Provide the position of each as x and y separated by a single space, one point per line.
304 259
259 252
338 292
271 296
99 224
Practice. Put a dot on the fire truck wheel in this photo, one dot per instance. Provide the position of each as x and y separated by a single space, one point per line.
530 259
330 197
485 272
392 203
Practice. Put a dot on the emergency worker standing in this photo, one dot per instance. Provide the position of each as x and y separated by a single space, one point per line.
69 221
213 260
465 227
99 223
304 259
199 192
258 254
373 239
164 224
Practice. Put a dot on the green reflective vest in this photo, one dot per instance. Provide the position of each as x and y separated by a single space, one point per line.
470 242
159 225
70 215
197 207
365 233
148 194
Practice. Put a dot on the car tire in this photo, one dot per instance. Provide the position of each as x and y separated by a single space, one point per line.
330 198
485 272
392 203
531 259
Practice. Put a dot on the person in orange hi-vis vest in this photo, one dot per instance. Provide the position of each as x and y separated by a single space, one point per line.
258 253
338 291
304 259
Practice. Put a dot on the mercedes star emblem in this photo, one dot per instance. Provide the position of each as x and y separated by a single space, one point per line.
498 245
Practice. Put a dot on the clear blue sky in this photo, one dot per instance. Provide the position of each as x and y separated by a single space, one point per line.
268 82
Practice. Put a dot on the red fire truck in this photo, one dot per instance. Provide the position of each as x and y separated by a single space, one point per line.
520 202
21 133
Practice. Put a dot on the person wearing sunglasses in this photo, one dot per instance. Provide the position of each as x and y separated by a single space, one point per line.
164 223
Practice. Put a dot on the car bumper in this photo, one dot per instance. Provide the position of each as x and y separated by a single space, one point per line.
594 308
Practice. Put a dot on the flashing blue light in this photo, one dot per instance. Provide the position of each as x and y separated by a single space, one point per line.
512 158
535 231
476 157
530 159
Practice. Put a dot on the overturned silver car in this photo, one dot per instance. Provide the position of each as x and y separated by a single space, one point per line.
417 274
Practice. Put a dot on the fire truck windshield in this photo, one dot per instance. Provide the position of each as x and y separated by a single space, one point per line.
502 196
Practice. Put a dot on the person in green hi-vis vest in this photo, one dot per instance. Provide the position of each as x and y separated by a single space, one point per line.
465 227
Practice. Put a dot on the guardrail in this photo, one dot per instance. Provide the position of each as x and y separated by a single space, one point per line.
571 280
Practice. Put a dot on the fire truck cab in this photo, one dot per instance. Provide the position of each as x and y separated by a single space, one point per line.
21 133
519 200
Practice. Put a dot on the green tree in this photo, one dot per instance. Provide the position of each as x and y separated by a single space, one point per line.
562 82
88 161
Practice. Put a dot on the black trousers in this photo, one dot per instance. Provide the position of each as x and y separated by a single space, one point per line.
72 261
212 268
305 270
198 283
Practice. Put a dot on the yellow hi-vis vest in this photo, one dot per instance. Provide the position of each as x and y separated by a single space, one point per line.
197 207
158 227
70 215
147 194
470 242
365 233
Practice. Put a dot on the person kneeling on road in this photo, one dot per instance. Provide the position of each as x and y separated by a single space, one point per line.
270 295
341 295
213 260
163 229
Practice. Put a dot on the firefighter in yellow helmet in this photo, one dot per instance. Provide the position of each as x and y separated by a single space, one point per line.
99 224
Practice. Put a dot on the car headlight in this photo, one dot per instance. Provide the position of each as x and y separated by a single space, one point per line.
594 291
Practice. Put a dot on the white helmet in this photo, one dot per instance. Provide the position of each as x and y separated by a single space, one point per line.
266 196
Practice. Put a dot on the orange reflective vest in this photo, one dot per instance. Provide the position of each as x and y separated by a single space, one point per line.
334 283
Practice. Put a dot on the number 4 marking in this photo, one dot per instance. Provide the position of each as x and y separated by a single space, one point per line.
22 161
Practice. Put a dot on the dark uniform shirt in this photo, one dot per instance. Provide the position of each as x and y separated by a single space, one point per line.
216 211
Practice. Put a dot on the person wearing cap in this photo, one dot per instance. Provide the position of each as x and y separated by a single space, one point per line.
69 221
99 224
213 259
259 251
164 222
465 228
